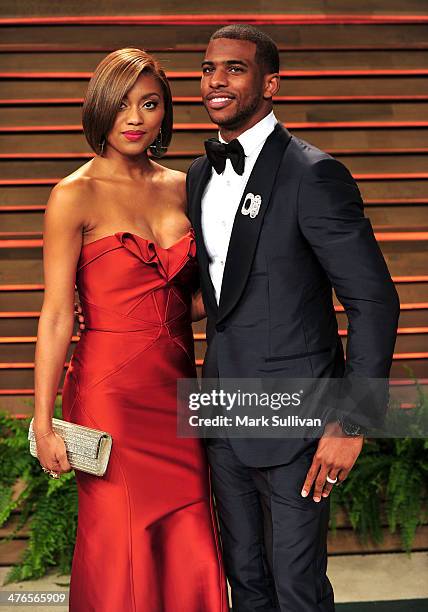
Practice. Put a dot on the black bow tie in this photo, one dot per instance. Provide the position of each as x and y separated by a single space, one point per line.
218 152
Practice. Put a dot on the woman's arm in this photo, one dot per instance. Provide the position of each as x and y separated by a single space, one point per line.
197 308
62 243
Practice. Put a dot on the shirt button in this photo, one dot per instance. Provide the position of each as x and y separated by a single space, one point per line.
222 262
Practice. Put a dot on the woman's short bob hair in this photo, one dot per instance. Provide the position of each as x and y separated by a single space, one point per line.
114 76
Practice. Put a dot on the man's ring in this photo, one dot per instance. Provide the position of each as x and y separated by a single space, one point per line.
331 480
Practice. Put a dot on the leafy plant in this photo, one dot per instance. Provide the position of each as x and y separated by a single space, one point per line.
392 470
48 507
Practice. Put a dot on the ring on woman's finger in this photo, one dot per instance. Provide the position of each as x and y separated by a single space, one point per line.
331 480
53 474
45 469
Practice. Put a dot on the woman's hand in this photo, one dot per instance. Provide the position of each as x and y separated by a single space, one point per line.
52 454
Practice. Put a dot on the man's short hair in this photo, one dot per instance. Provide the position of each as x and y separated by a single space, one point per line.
267 55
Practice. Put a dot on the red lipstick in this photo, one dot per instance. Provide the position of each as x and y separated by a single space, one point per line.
133 135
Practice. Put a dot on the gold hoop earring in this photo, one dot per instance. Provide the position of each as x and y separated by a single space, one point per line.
156 148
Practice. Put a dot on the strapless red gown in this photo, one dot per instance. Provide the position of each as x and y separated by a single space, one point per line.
146 537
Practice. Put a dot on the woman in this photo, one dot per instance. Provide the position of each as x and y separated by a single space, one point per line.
117 227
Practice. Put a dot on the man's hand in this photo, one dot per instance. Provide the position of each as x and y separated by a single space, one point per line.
78 313
335 456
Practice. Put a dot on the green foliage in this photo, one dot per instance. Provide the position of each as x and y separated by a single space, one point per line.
48 507
394 470
391 470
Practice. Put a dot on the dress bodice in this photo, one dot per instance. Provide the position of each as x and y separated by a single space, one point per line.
129 283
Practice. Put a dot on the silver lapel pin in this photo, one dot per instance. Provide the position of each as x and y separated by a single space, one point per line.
251 205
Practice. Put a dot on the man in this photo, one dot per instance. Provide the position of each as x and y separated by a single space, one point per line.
266 280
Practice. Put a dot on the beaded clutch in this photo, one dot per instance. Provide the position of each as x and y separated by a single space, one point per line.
88 449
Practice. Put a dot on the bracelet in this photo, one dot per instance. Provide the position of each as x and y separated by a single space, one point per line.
45 434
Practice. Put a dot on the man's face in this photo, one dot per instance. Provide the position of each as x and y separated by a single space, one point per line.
232 84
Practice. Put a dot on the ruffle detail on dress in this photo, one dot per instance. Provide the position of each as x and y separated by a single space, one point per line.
169 261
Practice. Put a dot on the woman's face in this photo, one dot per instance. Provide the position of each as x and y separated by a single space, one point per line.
139 118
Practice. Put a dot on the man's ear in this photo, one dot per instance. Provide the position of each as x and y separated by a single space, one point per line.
271 85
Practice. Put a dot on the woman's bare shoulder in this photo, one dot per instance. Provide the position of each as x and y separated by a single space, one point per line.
70 199
169 176
175 182
73 188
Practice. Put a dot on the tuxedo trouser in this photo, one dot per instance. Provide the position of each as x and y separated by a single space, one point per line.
274 540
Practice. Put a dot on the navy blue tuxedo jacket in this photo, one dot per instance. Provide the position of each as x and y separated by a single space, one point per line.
276 316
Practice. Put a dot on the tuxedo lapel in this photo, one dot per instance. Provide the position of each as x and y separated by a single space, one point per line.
195 196
247 227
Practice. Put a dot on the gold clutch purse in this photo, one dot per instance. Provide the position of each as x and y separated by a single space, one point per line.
88 449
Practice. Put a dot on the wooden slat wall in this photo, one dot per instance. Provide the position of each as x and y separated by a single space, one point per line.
354 84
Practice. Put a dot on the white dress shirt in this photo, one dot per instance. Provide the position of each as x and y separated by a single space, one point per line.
222 196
